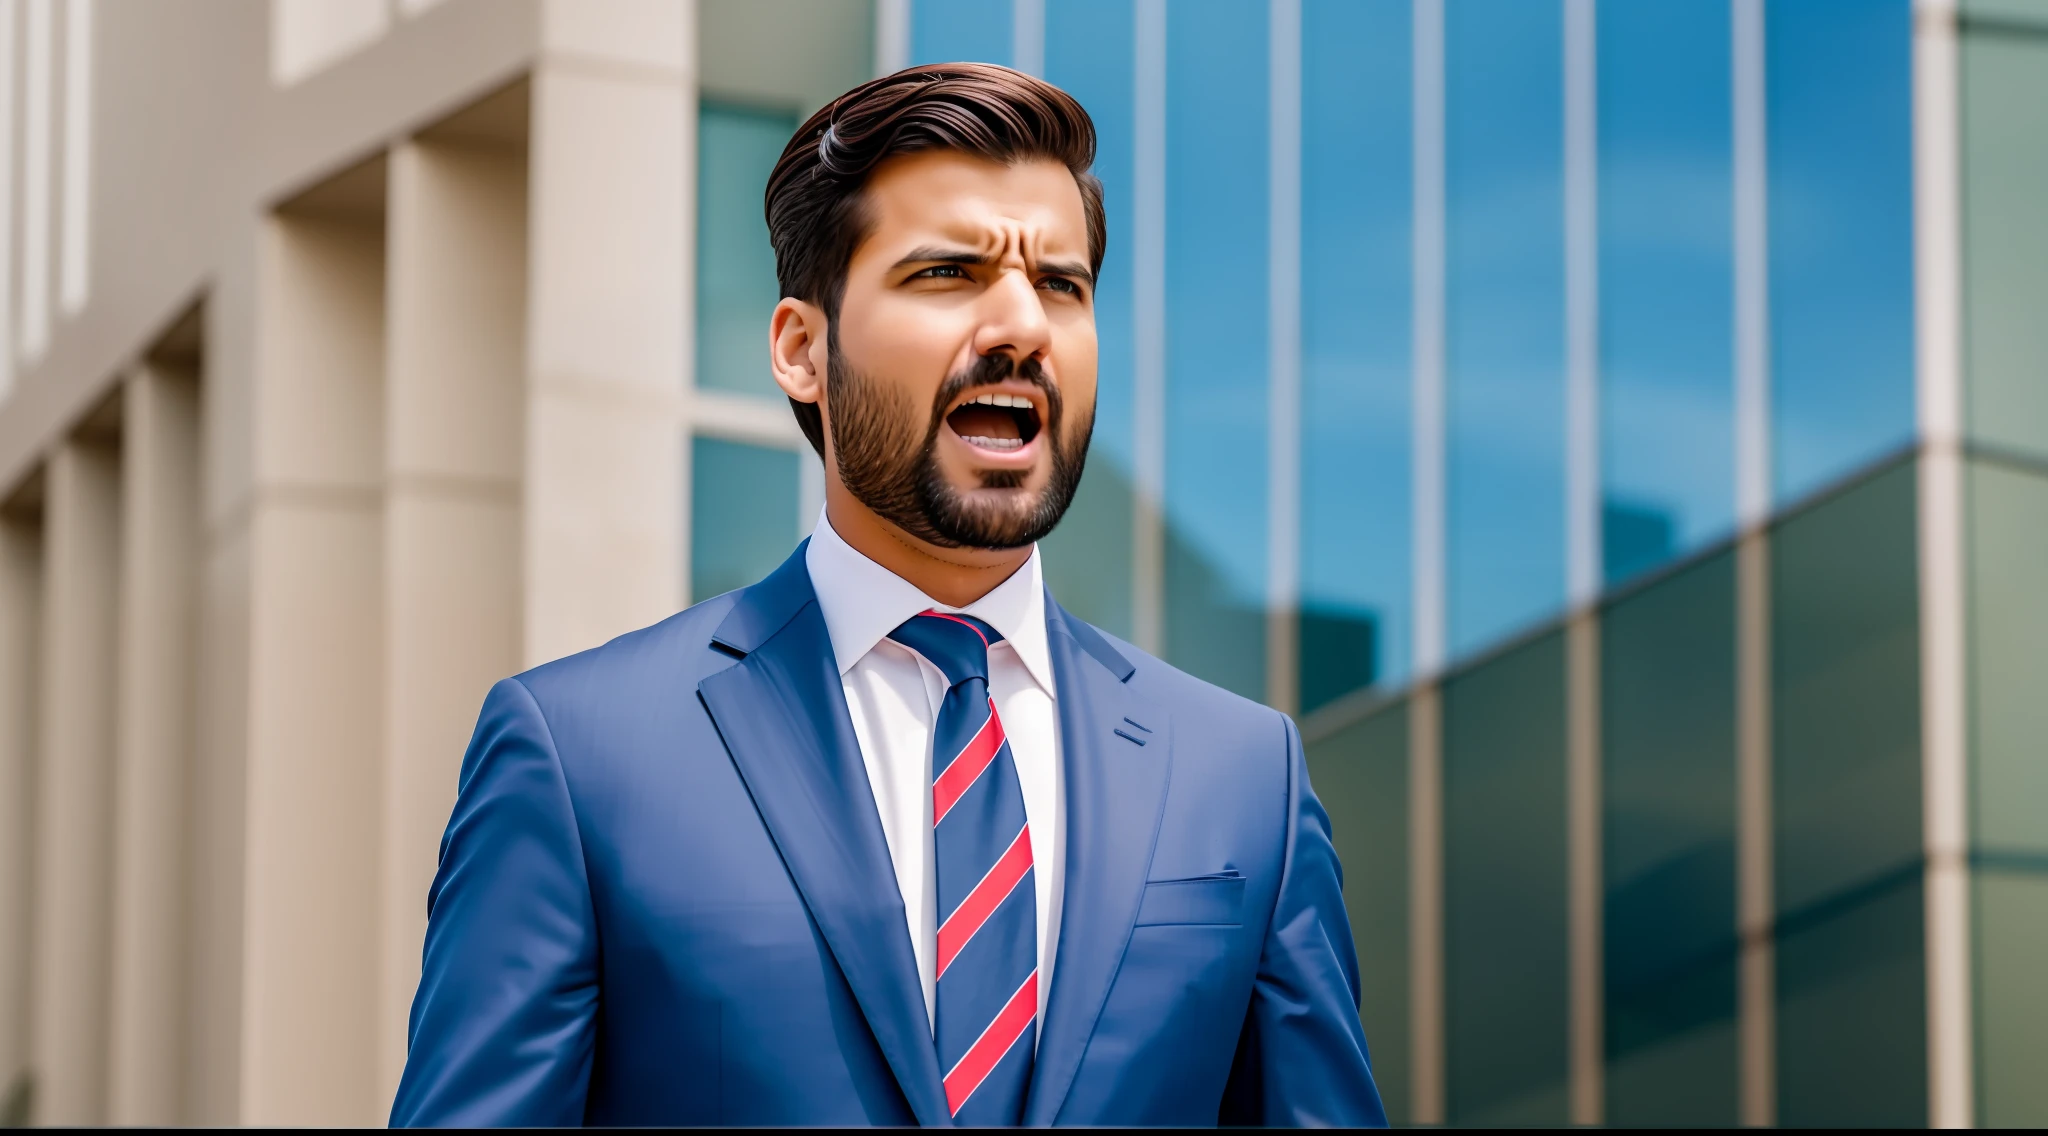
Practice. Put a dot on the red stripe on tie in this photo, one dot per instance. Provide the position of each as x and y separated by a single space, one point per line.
949 786
995 887
961 622
987 1051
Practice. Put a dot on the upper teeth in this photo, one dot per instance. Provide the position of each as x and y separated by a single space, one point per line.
1016 400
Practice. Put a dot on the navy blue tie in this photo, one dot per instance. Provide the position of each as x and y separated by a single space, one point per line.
987 990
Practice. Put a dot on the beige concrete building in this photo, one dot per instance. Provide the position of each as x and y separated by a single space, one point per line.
1685 761
345 367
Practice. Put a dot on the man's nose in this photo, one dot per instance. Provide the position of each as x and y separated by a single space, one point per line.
1013 320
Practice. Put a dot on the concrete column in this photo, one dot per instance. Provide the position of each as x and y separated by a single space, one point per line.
1956 1083
226 356
160 543
316 664
74 791
453 418
614 139
20 579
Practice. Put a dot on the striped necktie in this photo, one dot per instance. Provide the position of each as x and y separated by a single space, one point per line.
986 1008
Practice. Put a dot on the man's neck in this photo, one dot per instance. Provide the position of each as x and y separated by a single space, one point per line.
955 577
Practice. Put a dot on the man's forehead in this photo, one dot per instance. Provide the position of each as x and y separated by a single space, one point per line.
945 194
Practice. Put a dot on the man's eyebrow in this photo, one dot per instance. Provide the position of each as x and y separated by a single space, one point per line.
1068 269
935 254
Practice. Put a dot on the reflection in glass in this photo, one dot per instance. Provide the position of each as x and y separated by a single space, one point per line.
1088 52
1667 731
736 289
1845 691
1505 936
1355 404
1666 267
743 513
952 31
1216 271
1360 773
1839 122
1504 329
1635 539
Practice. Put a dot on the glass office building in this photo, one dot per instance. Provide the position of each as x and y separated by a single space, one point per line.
1618 431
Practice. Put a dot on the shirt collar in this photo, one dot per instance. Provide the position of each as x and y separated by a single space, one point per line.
862 602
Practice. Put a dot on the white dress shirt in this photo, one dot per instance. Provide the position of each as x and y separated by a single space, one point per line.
893 696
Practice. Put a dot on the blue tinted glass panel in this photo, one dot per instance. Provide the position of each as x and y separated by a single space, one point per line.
736 290
1506 1018
1216 271
1504 329
1667 731
1355 321
1088 53
1840 127
1666 259
744 516
952 31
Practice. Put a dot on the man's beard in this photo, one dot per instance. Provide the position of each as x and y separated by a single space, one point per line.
886 467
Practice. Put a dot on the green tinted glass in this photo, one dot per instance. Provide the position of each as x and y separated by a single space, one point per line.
1505 934
1852 1010
2010 903
1667 707
1845 688
2008 644
743 513
1845 691
736 289
2005 234
1360 773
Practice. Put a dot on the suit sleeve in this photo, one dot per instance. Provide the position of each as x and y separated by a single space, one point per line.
503 1025
1302 1058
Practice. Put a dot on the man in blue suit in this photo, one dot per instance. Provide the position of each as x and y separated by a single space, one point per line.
889 837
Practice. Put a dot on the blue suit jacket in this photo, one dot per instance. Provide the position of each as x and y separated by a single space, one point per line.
664 898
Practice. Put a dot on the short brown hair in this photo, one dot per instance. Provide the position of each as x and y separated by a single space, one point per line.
815 214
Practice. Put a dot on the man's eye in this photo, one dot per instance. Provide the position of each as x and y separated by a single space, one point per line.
1061 284
943 272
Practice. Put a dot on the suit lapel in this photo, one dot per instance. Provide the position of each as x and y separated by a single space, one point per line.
1115 760
782 714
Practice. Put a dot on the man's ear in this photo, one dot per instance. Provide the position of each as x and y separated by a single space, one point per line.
796 349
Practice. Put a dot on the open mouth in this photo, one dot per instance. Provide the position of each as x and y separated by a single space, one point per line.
996 422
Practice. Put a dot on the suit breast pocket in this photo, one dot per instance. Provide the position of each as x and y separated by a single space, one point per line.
1202 900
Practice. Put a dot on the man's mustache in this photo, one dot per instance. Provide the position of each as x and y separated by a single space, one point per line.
989 370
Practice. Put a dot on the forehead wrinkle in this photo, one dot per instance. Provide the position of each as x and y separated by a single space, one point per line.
1014 239
1001 230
